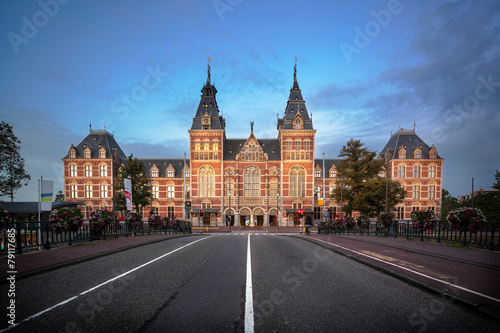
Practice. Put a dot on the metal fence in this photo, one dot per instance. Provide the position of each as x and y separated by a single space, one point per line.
487 237
23 236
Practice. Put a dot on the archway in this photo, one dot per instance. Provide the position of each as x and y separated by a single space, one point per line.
245 217
258 217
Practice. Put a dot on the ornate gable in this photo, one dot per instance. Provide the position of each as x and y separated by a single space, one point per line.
252 151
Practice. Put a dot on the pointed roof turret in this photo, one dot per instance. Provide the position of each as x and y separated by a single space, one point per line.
207 115
295 108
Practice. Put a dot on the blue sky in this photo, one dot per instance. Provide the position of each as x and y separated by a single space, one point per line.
366 68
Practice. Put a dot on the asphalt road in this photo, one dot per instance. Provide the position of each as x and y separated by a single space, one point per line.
199 284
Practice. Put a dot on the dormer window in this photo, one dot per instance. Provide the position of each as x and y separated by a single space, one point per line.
298 123
170 171
417 154
87 153
333 173
102 153
72 153
402 154
154 171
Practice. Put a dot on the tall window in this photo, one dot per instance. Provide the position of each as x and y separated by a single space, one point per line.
297 144
88 170
215 145
170 211
332 188
251 182
73 190
400 212
155 190
230 187
88 190
288 144
206 144
273 188
416 191
432 192
317 173
186 173
72 170
170 190
432 171
103 190
416 171
401 171
206 181
103 170
307 145
197 144
298 182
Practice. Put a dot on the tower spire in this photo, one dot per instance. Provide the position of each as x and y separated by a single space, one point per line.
295 70
208 70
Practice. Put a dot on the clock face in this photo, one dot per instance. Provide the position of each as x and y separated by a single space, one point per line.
205 121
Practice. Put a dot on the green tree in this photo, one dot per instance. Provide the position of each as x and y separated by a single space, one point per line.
59 197
141 190
496 184
359 187
448 203
13 176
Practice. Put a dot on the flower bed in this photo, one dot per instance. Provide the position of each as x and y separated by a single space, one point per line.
466 219
99 219
133 220
65 219
385 219
423 219
363 222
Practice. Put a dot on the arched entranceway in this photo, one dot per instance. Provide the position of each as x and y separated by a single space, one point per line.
272 217
258 217
230 217
245 217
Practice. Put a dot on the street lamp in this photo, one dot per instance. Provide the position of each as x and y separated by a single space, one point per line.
341 196
278 209
229 223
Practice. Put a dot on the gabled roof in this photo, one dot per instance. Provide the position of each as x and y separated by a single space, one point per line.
329 162
271 147
162 165
409 141
295 107
94 141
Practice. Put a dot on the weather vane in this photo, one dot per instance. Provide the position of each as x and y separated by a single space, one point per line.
251 126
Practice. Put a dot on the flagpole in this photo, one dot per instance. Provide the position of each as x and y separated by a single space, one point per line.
39 208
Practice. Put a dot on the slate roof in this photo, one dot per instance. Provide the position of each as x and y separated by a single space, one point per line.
270 146
162 165
208 107
94 141
408 139
295 106
328 164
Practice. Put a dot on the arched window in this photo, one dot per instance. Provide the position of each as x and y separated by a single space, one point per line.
103 190
72 170
416 171
103 170
155 190
230 187
73 190
206 181
273 187
88 170
298 181
251 182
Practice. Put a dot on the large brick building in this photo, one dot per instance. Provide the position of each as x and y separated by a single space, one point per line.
247 181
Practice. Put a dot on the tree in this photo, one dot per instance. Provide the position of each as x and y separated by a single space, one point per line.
447 203
496 185
141 191
359 186
12 173
59 197
488 203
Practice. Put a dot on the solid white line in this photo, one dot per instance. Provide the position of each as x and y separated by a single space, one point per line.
249 320
99 285
414 272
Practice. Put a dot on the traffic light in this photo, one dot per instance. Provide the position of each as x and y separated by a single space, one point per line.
188 205
336 217
201 213
300 211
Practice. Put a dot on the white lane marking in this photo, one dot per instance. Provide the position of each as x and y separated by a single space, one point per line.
249 320
99 285
414 272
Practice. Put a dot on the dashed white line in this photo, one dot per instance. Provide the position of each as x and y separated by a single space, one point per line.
249 318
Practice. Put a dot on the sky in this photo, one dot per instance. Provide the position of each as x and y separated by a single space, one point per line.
366 69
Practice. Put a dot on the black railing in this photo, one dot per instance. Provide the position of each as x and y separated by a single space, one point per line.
487 237
39 235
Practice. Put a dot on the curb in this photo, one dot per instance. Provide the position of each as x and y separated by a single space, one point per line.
442 292
86 258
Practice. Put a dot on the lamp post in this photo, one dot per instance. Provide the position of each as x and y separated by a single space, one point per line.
229 223
386 185
341 196
278 209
